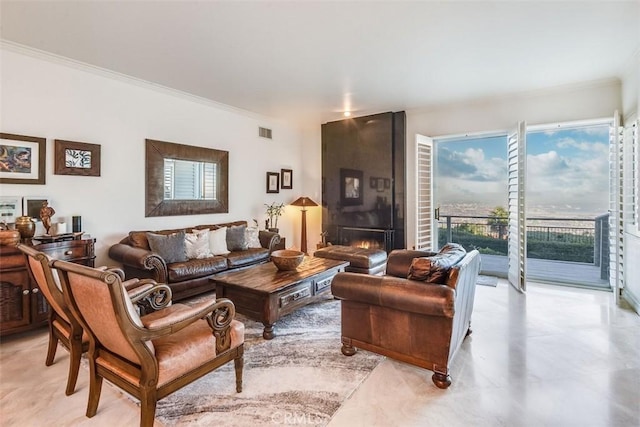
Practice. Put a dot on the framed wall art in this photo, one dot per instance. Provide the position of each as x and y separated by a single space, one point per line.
31 206
76 158
22 159
350 187
286 179
10 208
273 182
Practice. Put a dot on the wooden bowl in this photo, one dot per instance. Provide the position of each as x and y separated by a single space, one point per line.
286 259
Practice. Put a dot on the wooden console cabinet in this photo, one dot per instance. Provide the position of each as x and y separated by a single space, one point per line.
22 307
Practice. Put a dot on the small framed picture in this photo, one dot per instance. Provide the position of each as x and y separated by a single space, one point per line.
273 182
380 185
76 158
351 187
10 208
22 159
31 206
373 182
387 183
286 176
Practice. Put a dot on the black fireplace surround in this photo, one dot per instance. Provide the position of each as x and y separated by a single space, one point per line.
363 184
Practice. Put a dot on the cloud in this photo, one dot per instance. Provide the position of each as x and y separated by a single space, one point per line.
585 146
548 163
579 182
471 165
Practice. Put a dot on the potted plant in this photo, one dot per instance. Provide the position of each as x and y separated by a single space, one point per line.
273 212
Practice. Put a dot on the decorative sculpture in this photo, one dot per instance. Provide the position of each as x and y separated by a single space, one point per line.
46 212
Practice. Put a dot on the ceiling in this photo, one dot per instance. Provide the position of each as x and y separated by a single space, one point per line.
311 60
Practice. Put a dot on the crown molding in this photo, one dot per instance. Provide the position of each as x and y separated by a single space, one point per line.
124 78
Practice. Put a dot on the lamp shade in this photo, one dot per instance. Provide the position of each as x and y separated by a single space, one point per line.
304 201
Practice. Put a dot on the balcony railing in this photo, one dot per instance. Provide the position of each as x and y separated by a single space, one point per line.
563 239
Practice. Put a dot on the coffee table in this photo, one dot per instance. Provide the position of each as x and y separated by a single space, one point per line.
265 293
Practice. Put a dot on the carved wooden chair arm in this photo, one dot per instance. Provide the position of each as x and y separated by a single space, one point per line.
132 284
218 313
176 317
116 270
150 296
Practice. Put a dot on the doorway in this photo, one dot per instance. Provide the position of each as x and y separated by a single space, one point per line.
565 223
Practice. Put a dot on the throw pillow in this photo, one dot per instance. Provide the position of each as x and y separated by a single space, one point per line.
235 238
251 237
170 247
197 244
218 241
434 269
138 239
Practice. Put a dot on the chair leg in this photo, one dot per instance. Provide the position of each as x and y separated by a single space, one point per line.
441 380
75 353
348 349
238 363
95 388
53 346
148 400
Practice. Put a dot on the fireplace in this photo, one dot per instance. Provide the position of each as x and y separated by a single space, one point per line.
367 238
363 181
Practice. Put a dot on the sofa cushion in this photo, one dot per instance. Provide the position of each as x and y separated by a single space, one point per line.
170 247
434 269
247 257
138 239
197 244
194 268
251 237
235 238
218 241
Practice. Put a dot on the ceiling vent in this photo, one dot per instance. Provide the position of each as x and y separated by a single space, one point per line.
264 133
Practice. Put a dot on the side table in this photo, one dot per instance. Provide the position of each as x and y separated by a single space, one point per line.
23 307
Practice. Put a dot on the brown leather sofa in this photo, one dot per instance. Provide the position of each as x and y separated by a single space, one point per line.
422 322
190 277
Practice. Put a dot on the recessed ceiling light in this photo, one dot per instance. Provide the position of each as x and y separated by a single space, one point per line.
347 113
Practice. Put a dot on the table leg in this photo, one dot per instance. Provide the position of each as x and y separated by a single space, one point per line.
268 333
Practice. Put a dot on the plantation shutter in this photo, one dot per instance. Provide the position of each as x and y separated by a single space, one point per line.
616 206
424 197
517 244
186 180
209 182
168 179
631 178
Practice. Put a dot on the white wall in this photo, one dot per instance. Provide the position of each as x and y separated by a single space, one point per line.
580 102
48 97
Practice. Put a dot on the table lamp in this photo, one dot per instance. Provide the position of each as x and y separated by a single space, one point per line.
304 202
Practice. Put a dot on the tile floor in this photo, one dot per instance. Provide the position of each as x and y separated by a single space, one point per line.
556 356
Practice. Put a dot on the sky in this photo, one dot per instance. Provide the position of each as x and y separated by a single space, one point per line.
567 172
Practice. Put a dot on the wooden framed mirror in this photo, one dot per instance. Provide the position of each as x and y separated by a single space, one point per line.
185 180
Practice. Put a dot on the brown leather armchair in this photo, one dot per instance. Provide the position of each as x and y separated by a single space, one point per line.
63 326
148 356
414 321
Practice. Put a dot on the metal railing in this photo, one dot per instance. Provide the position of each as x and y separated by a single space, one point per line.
564 239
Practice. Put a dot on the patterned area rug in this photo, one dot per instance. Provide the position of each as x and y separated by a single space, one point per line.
300 375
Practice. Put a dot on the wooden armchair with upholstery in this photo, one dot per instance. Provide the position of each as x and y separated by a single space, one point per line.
63 326
148 356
